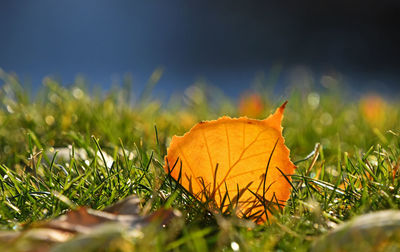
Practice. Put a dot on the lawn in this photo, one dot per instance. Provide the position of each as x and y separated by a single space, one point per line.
66 147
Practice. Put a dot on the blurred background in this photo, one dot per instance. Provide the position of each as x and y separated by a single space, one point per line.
231 45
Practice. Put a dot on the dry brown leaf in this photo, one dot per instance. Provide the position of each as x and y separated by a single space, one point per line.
224 162
84 221
124 212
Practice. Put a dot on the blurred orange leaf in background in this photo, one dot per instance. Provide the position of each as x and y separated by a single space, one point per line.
374 109
240 163
251 105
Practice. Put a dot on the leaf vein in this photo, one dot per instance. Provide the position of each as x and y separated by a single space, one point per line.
190 168
240 157
228 144
208 151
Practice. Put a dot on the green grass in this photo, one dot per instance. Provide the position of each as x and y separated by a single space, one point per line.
354 170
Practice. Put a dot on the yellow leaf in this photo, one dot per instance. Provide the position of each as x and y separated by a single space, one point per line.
229 157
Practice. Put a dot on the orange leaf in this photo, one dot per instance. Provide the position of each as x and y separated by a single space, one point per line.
223 163
374 109
251 105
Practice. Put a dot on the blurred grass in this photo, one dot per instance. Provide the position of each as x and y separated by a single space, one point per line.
357 170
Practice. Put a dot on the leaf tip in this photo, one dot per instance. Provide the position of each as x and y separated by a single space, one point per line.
275 119
282 107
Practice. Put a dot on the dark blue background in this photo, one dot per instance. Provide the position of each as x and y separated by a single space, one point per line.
227 42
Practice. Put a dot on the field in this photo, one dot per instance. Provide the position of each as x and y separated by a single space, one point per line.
110 145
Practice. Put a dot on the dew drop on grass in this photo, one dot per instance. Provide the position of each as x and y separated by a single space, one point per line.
49 120
77 93
54 98
235 246
313 100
